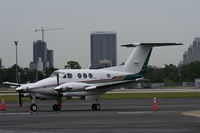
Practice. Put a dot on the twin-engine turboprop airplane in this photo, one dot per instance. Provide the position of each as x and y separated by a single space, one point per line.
89 83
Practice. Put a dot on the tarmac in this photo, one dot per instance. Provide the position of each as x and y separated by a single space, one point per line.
9 92
176 115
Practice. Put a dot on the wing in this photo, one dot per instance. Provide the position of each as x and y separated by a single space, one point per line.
86 89
11 84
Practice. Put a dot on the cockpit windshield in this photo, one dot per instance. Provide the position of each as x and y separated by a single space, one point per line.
61 74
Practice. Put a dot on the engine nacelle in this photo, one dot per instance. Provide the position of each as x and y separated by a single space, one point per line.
22 89
74 86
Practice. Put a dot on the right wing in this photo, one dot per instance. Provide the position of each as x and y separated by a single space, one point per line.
11 84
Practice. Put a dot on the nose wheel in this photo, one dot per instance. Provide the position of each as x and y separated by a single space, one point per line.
57 107
96 107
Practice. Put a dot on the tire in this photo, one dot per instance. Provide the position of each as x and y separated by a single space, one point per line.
56 107
33 107
96 107
93 106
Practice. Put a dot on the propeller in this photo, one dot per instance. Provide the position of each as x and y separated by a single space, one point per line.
20 99
20 91
59 92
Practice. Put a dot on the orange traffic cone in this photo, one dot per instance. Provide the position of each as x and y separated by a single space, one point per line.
155 105
3 108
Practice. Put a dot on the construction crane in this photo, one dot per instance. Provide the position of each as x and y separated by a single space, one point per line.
42 30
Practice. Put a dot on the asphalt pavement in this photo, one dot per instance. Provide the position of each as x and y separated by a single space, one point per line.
116 116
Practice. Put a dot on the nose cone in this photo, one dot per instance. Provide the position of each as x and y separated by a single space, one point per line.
23 88
58 88
19 89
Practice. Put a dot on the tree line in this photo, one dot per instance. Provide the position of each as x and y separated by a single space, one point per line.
174 74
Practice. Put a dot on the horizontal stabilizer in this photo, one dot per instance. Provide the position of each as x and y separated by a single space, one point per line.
151 44
128 45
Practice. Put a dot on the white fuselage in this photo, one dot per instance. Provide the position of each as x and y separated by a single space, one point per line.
97 77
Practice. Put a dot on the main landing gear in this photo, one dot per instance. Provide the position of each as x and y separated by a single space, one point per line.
57 107
33 106
96 106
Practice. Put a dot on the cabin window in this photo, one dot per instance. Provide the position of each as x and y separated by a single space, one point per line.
85 75
69 75
90 75
79 75
108 75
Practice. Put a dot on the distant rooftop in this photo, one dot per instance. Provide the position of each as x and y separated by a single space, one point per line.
103 32
197 39
38 41
190 47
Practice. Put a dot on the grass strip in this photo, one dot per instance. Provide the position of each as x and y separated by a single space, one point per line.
8 92
150 95
13 98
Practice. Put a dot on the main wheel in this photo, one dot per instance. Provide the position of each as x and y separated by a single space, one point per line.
33 107
96 107
56 107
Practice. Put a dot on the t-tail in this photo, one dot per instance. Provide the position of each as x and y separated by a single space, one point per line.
139 58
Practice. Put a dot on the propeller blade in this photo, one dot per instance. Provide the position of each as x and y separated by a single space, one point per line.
60 98
20 99
59 93
57 79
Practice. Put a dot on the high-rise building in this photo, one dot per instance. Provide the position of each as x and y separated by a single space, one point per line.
40 65
193 52
49 58
41 55
103 49
40 51
196 45
185 57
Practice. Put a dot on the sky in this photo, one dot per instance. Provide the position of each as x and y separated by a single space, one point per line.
132 20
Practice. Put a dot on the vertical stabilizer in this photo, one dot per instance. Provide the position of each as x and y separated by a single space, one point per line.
139 58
